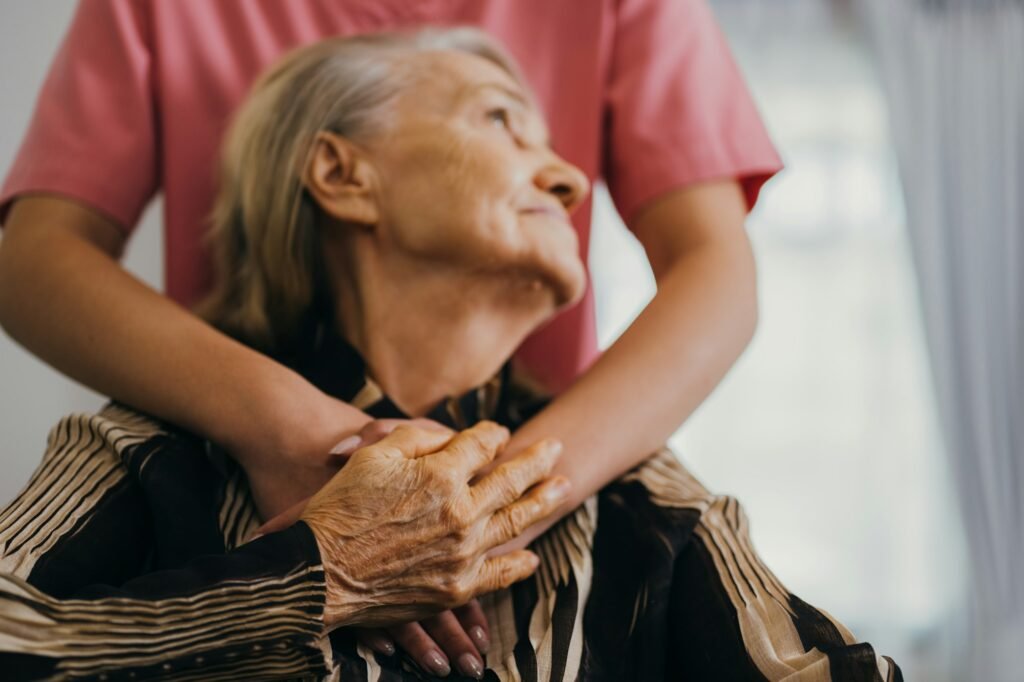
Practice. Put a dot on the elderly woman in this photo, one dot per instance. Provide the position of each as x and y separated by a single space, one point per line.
392 223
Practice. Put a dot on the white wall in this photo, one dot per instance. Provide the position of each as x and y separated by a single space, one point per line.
33 396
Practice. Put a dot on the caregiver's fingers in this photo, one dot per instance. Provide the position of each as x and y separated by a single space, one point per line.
470 450
415 641
508 481
376 639
283 520
446 630
474 622
539 503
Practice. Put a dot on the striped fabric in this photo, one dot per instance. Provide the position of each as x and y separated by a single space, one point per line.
654 578
120 501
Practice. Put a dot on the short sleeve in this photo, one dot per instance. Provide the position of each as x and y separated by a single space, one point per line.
92 134
678 110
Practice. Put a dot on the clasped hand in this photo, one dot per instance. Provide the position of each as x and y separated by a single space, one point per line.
404 530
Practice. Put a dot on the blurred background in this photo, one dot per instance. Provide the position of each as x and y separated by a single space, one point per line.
873 429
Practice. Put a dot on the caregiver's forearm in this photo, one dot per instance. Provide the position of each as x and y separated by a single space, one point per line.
660 370
66 299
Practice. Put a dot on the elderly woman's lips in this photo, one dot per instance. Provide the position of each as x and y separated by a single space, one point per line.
548 211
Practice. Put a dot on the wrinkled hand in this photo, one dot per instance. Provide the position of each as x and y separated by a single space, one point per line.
460 635
370 433
403 535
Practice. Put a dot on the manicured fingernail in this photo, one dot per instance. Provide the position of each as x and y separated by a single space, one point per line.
480 639
471 665
557 491
437 664
347 445
386 647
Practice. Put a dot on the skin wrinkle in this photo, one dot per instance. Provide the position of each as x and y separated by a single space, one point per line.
475 213
367 577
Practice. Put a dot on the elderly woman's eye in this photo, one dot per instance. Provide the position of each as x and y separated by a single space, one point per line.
500 118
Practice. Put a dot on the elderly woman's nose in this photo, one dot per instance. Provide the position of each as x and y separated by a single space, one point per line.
564 180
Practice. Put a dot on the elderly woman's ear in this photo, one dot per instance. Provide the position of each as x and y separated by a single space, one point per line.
341 180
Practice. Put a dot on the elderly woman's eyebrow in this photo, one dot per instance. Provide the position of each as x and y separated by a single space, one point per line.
495 85
514 95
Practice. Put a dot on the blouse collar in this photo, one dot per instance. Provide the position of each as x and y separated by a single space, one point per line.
335 367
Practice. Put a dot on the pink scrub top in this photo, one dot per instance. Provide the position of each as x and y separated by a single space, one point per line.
642 93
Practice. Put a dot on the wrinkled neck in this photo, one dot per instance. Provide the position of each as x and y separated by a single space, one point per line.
428 331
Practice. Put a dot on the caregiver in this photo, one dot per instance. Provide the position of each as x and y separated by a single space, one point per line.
642 93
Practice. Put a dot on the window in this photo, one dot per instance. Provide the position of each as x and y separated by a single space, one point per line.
826 428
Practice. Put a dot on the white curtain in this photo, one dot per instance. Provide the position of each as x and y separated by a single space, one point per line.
954 75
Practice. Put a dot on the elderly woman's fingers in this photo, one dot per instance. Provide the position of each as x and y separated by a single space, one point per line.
377 640
446 630
412 442
474 622
378 428
474 448
398 529
414 640
505 570
535 506
508 481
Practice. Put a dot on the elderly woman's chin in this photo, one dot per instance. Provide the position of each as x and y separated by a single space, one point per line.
557 285
572 283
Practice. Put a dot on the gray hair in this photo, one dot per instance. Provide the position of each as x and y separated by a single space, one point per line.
263 239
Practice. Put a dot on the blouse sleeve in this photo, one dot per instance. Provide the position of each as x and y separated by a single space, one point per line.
92 136
678 110
67 609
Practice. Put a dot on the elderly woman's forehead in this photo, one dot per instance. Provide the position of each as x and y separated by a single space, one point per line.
449 74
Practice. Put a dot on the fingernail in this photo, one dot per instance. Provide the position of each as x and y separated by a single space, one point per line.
480 638
471 665
386 647
346 446
557 491
437 664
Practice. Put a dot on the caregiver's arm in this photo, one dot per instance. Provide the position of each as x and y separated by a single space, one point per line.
75 600
672 356
64 297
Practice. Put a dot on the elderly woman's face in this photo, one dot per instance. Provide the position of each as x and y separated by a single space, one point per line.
466 177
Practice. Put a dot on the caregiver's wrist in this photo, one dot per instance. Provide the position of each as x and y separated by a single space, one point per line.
273 414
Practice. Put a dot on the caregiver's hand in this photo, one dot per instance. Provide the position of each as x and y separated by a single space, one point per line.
403 535
460 635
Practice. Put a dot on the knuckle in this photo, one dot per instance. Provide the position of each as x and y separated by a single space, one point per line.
471 442
446 485
506 486
403 429
435 474
453 515
493 427
461 592
505 572
523 515
455 591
